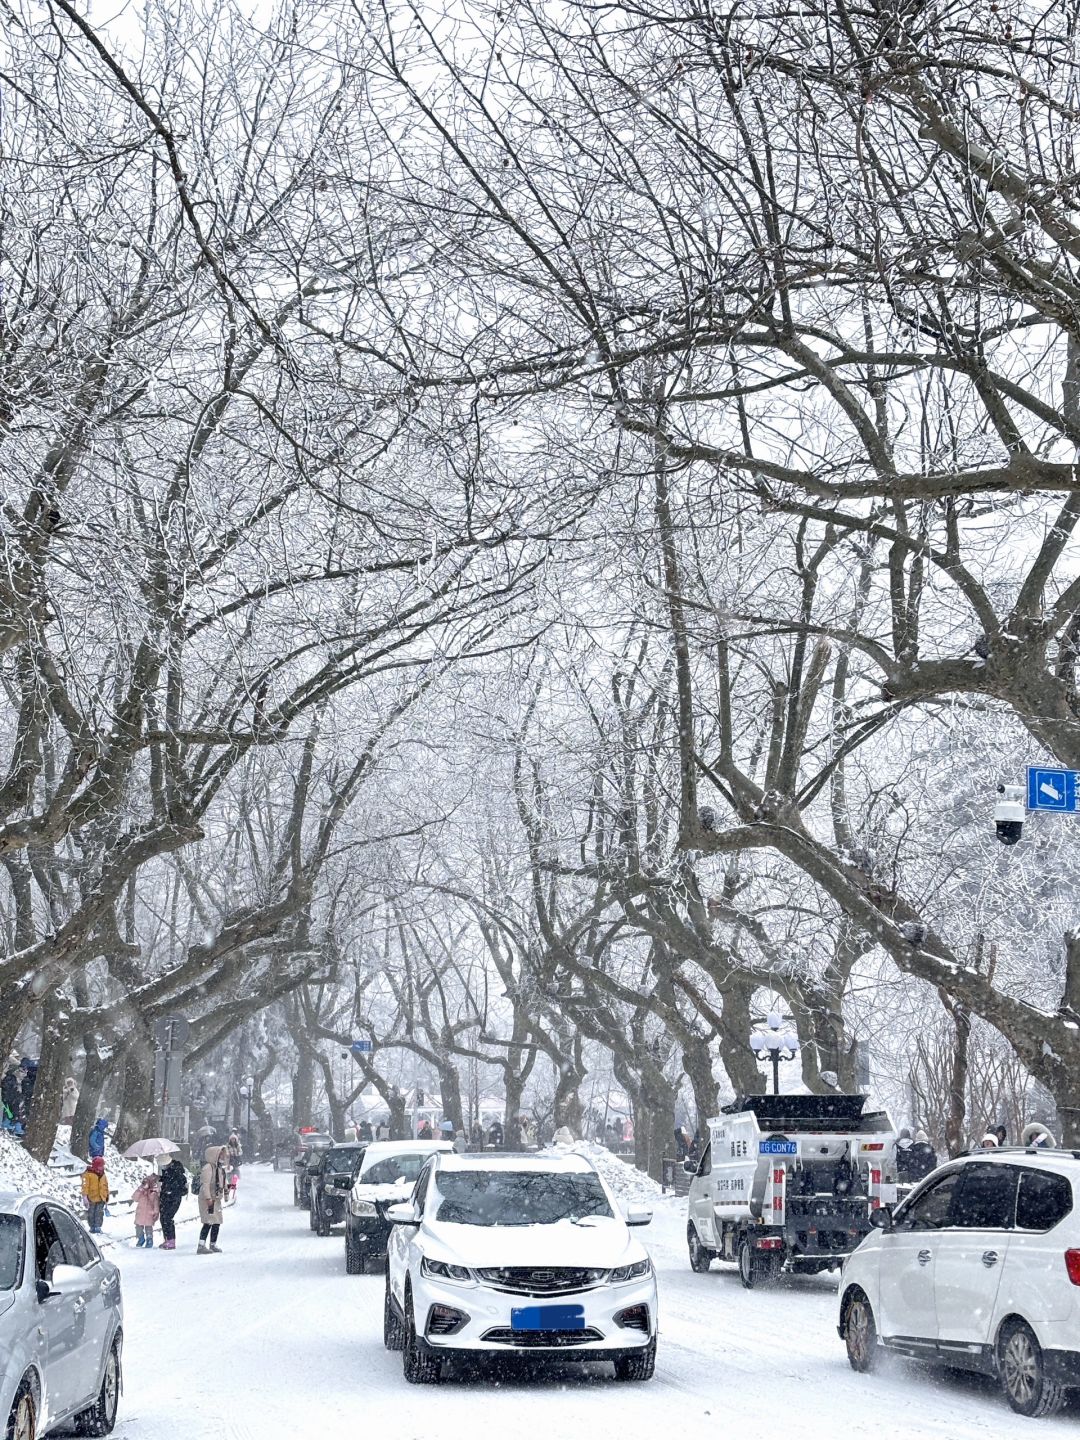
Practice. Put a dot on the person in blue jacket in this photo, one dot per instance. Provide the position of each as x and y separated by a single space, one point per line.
95 1146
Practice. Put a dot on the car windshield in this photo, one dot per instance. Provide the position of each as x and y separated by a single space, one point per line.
518 1197
11 1251
341 1162
393 1168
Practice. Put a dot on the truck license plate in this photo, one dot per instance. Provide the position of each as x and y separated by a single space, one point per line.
548 1317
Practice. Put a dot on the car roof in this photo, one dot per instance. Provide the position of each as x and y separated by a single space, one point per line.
546 1161
14 1203
379 1149
1062 1162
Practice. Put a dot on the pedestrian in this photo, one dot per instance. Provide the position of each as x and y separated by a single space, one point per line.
10 1096
363 1133
922 1157
147 1199
1038 1136
95 1145
989 1141
1002 1134
236 1151
495 1134
174 1186
682 1143
424 1132
29 1070
95 1189
69 1099
461 1145
446 1127
205 1136
382 1129
212 1182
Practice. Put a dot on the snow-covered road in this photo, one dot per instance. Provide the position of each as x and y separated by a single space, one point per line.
272 1339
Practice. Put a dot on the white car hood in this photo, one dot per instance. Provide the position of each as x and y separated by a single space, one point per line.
599 1243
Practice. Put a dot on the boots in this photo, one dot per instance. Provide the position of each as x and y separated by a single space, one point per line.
167 1245
215 1249
203 1248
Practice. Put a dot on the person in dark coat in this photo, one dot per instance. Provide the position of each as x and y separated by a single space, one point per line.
29 1070
921 1156
95 1146
10 1097
174 1186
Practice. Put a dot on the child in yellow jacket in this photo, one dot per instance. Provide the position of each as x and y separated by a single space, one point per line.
95 1189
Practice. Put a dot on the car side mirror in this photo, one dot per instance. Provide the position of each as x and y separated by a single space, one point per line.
638 1216
881 1219
689 1167
403 1213
66 1280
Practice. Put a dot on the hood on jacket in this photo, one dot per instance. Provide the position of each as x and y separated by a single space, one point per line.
97 1165
215 1154
101 1125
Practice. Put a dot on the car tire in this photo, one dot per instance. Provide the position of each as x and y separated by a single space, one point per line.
639 1365
354 1260
860 1333
418 1366
22 1418
749 1269
393 1331
1028 1388
100 1417
700 1257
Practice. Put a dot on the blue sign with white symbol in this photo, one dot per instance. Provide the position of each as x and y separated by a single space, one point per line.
1051 789
778 1147
361 1047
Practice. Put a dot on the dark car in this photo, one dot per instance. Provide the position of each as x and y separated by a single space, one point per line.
329 1181
312 1144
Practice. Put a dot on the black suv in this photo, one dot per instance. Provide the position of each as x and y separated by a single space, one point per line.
312 1144
329 1180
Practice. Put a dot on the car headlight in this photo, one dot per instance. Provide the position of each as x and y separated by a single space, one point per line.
363 1207
440 1270
637 1271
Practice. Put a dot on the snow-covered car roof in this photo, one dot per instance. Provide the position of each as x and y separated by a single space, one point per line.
14 1203
383 1149
551 1162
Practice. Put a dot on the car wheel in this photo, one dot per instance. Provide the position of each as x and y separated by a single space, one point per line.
418 1367
700 1258
749 1269
393 1331
22 1420
639 1365
100 1418
1028 1388
354 1261
860 1334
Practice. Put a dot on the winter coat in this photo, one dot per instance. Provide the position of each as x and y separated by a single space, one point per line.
95 1188
174 1186
95 1146
148 1201
68 1102
212 1184
29 1080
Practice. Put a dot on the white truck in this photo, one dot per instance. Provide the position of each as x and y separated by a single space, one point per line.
789 1182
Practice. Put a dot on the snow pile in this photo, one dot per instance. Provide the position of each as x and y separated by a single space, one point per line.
628 1184
19 1171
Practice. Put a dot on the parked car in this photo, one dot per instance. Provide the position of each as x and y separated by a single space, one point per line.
329 1182
389 1171
61 1323
979 1269
517 1255
312 1143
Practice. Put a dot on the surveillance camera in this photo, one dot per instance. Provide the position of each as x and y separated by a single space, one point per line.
1009 814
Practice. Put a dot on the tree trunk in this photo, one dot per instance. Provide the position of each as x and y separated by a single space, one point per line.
137 1101
89 1106
450 1093
399 1129
54 1059
734 1035
697 1063
568 1108
957 1111
303 1088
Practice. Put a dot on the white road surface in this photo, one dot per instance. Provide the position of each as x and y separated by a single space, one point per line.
271 1339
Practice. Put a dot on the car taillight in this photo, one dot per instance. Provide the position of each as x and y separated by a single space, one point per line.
1072 1265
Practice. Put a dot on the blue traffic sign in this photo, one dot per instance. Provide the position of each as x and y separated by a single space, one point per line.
1052 789
361 1047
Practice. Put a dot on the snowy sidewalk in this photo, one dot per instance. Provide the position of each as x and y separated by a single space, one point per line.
271 1339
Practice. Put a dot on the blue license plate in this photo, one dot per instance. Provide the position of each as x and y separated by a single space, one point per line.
548 1317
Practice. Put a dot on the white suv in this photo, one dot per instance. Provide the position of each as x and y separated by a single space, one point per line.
978 1269
517 1254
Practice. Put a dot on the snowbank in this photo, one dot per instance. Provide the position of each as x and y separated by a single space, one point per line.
20 1172
124 1175
629 1184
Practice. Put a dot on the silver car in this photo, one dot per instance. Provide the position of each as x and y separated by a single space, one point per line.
61 1323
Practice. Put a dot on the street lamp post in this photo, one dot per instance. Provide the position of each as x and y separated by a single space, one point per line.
774 1044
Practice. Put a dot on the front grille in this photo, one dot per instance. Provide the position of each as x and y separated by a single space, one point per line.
541 1339
533 1280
